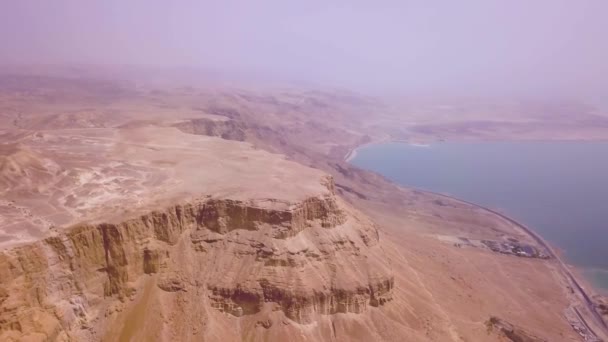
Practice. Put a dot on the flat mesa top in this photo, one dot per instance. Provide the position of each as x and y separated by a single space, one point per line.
55 178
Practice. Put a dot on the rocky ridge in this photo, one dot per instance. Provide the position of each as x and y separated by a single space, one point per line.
233 282
309 258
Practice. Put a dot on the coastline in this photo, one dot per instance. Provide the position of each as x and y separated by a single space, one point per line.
581 271
575 284
586 290
352 152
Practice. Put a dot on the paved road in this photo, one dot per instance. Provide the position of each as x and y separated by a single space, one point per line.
582 319
575 284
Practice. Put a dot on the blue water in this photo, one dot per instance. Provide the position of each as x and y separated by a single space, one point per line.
560 189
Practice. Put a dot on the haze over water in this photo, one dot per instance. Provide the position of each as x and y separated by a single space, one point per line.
559 189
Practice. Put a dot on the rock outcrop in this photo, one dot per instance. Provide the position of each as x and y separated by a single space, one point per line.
509 331
309 258
225 129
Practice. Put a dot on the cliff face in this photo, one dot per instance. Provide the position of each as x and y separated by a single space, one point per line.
225 129
303 259
103 194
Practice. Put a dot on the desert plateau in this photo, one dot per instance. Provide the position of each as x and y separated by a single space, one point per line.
208 213
269 171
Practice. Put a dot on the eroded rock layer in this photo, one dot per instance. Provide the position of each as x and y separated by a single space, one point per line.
309 258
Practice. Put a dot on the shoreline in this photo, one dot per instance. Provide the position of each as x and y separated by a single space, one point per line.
580 270
586 289
352 151
565 268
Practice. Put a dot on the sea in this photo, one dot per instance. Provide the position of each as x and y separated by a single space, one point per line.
559 189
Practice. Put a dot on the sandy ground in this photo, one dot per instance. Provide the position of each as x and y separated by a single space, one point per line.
73 153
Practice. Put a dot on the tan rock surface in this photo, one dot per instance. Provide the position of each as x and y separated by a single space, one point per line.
233 229
147 214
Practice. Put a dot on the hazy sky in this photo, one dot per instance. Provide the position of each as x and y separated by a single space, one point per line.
502 45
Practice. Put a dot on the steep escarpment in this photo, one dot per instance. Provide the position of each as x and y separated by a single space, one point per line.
223 256
115 225
225 129
223 216
510 332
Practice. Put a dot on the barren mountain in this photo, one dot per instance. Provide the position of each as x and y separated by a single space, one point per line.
228 214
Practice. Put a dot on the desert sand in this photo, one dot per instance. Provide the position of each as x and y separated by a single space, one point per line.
228 213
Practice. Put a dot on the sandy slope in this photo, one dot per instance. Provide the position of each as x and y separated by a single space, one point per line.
174 215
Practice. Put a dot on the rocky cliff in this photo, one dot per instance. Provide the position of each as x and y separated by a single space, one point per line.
116 225
303 259
225 129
